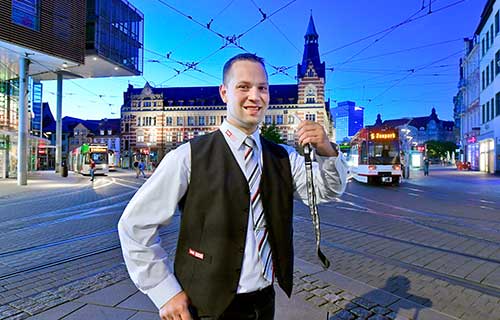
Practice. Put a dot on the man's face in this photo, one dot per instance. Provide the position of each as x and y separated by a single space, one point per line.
246 93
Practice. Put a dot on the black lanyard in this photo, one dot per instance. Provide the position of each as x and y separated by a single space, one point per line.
311 196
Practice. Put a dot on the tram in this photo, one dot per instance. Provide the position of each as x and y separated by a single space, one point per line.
375 155
79 159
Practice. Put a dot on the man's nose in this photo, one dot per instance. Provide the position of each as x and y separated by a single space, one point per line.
254 93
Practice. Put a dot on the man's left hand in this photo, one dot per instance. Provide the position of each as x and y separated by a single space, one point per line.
313 133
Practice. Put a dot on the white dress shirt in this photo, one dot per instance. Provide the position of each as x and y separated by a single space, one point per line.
155 203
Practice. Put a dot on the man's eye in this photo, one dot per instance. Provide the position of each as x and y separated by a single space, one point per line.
263 88
243 86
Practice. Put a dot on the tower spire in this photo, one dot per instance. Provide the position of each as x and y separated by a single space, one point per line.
311 52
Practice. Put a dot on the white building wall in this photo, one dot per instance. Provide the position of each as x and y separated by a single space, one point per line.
489 138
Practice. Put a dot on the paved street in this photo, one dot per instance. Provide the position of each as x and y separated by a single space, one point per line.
428 249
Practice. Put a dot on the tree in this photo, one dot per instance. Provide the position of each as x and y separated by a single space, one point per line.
271 133
438 149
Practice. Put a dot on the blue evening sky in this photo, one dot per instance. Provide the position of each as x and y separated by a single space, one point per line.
367 65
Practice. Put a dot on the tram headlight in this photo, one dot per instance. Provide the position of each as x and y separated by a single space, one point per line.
396 167
372 167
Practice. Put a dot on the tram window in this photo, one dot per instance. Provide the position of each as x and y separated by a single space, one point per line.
99 157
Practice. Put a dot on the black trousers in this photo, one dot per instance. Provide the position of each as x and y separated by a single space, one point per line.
257 305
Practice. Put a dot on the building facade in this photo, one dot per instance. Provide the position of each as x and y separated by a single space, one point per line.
157 120
488 32
32 30
467 108
53 39
348 119
423 129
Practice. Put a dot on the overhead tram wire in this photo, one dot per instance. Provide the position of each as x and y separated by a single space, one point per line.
413 71
276 27
383 36
397 25
229 39
391 27
189 37
406 50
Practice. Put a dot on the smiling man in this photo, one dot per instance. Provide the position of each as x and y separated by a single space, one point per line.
235 191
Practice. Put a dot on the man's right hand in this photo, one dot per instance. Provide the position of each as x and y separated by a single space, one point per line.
176 308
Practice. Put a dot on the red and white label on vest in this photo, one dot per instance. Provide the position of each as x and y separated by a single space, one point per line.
230 135
195 254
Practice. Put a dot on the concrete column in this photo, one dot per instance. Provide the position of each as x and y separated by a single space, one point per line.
22 135
59 122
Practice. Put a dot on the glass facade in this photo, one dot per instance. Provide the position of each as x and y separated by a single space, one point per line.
115 29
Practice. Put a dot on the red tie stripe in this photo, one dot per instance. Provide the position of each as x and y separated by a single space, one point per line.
253 173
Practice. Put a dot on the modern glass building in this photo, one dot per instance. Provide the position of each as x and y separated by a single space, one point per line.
348 120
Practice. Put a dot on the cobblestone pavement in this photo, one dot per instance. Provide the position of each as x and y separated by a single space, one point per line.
414 252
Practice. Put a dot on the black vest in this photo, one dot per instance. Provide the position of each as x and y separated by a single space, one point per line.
214 222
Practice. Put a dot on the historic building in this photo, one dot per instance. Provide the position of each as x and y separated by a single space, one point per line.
156 120
423 129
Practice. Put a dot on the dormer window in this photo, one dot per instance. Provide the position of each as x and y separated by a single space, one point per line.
109 132
102 132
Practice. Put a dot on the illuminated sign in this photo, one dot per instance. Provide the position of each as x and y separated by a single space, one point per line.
98 149
382 135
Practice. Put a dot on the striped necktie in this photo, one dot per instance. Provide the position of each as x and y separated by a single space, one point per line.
253 174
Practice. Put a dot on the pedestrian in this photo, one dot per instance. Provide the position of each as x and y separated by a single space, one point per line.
426 166
235 191
136 169
140 170
92 169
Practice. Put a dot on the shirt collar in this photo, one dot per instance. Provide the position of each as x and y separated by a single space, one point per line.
236 137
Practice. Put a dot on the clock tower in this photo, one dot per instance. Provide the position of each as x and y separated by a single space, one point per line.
311 81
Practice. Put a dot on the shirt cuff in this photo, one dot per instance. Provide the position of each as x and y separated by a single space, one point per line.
164 291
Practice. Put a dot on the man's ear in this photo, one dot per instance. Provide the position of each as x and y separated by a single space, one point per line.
223 93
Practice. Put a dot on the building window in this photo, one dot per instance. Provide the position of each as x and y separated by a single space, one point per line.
291 120
180 137
191 121
180 121
311 117
140 138
492 108
268 119
492 75
169 121
138 121
101 132
482 47
109 132
222 118
291 136
497 62
491 35
487 111
201 120
26 13
211 120
169 137
497 23
279 119
497 98
487 40
487 75
483 84
483 114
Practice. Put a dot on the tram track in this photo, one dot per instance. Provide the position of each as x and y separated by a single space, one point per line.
474 285
66 259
